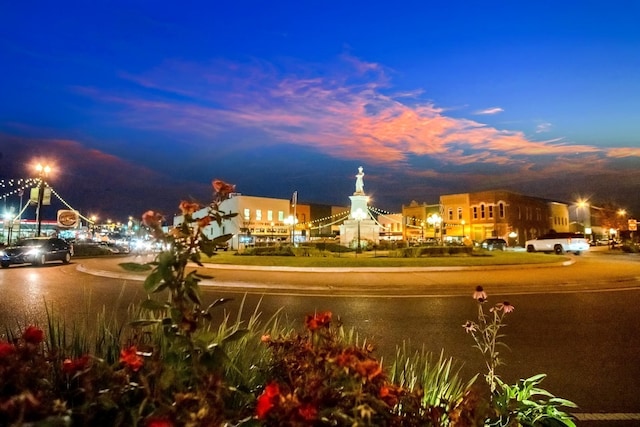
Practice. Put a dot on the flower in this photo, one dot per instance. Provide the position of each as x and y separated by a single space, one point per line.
266 400
6 349
308 412
33 335
265 338
222 188
158 422
318 320
506 307
480 295
152 219
71 366
469 326
131 358
188 208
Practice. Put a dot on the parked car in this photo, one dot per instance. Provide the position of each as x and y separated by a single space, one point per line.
559 243
36 251
494 244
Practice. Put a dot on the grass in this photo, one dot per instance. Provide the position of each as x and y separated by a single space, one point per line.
381 259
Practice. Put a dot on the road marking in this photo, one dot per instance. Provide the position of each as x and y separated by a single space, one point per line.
614 416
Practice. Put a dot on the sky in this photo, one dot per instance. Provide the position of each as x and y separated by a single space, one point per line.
138 105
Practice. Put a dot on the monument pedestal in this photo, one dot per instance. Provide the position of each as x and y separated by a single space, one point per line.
369 233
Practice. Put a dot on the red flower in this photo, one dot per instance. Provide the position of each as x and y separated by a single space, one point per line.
222 188
131 358
70 366
308 412
188 207
158 422
152 219
267 399
6 349
318 320
33 335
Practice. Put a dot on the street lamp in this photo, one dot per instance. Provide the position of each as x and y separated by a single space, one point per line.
291 221
43 171
434 220
359 215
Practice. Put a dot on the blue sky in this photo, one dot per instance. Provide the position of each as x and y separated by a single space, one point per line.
139 104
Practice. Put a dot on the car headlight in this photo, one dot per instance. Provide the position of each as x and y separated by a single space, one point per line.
34 251
3 253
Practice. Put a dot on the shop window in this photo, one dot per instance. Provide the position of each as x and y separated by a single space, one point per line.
247 214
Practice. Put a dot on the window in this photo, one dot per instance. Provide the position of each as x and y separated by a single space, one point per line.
450 214
258 214
482 211
501 209
490 211
475 212
269 215
247 214
459 213
280 216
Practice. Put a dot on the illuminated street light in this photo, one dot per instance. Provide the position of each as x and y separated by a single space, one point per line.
359 215
291 221
434 220
43 171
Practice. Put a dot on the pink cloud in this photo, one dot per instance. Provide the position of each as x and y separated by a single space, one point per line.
343 112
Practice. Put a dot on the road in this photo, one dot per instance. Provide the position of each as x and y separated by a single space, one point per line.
577 323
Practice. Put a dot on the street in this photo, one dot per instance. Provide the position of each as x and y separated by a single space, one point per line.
577 324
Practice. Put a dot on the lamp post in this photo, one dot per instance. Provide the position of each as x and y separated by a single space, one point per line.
359 215
434 220
291 221
43 171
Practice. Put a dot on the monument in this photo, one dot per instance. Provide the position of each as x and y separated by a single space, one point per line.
361 229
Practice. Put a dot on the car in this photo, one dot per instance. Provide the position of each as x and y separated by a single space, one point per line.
559 243
222 246
36 251
494 244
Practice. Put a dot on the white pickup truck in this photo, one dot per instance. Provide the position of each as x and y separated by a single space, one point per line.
558 243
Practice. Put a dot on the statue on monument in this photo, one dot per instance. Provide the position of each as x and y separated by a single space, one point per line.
359 182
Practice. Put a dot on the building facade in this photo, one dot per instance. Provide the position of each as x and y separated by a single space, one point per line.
503 214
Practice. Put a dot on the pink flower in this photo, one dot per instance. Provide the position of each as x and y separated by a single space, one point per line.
507 307
33 335
480 295
469 326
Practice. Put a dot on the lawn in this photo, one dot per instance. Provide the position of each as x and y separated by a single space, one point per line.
381 259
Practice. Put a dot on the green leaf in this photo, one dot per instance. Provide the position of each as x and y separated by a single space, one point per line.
153 281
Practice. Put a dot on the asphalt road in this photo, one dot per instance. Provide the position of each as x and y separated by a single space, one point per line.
577 323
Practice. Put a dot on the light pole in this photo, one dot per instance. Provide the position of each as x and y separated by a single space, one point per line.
292 221
43 171
434 220
359 215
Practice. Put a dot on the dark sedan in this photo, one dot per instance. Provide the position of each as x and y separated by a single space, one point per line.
37 251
